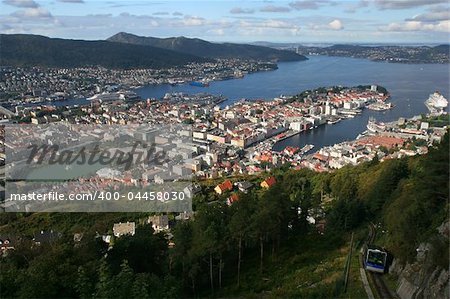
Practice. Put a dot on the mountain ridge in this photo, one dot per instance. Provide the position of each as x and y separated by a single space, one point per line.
26 50
202 48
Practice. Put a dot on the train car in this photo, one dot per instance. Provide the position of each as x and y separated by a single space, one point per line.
375 259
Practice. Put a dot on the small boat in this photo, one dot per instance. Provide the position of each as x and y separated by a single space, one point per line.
199 83
333 121
380 106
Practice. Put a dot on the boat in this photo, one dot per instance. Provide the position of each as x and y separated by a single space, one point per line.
350 111
106 97
199 83
333 121
174 82
306 148
374 126
436 103
380 106
281 136
114 96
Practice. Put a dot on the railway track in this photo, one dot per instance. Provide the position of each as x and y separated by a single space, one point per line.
377 279
380 287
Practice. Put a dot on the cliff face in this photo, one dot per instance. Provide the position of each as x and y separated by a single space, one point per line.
424 278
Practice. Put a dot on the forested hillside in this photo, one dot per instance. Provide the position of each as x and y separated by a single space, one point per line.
26 50
202 48
258 245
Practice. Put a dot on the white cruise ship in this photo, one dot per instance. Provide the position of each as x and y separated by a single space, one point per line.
114 96
436 103
374 126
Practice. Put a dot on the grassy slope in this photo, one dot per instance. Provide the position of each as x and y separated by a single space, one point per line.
310 266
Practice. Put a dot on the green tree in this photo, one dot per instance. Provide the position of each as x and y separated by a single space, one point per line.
210 234
123 282
104 285
140 287
84 284
239 229
42 277
182 237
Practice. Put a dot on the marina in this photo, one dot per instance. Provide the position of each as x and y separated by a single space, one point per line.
409 86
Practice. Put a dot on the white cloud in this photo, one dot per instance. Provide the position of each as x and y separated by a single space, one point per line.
353 7
71 1
332 25
270 23
33 13
193 21
264 28
218 31
272 8
336 25
21 3
309 4
405 4
239 10
437 8
410 26
277 24
433 16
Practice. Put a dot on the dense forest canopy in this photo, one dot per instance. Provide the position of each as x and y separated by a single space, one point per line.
202 48
26 50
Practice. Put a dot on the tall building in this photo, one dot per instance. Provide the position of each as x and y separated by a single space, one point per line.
328 109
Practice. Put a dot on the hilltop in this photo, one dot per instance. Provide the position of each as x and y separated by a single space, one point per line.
199 47
26 50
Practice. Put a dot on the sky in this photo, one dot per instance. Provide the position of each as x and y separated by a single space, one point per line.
303 21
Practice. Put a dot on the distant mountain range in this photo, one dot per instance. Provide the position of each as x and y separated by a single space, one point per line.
400 54
376 52
202 48
127 51
35 50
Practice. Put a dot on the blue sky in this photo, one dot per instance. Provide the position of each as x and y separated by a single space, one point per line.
303 21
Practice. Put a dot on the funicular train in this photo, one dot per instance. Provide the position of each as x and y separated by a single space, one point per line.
375 259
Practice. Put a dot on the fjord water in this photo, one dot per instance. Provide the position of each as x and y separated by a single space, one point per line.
409 86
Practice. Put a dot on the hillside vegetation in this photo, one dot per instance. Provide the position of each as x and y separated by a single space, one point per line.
22 50
259 246
199 47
